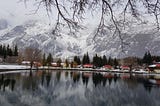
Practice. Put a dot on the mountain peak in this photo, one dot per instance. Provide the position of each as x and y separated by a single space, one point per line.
38 34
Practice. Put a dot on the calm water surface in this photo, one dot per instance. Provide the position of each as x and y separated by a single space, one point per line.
64 88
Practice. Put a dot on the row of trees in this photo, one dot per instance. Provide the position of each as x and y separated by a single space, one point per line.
98 61
8 51
46 61
147 59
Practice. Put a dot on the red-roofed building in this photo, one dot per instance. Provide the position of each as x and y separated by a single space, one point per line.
88 66
125 68
108 67
158 65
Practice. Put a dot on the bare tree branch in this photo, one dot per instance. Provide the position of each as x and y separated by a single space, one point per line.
71 12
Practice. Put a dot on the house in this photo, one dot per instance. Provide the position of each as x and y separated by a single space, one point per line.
25 63
37 64
53 64
28 63
108 67
155 67
125 68
88 66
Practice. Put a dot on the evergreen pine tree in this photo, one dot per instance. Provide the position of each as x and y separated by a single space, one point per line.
67 63
78 61
4 52
59 61
16 51
100 61
1 50
49 59
110 60
115 62
149 58
84 59
75 59
10 53
7 50
145 58
87 59
104 60
44 60
95 60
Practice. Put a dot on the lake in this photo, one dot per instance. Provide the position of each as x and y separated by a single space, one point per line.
76 88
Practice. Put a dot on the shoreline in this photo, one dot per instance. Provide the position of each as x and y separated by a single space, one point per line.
74 69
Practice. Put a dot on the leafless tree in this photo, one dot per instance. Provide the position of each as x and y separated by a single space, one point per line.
32 55
72 12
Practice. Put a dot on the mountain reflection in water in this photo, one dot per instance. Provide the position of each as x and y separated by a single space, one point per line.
75 88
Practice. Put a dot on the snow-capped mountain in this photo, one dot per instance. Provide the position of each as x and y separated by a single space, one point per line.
38 34
138 39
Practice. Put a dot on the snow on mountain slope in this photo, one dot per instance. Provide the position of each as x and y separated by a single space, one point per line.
139 39
38 34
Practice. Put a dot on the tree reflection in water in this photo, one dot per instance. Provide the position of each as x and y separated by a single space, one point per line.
58 75
75 76
85 78
12 84
1 80
97 78
48 78
66 74
42 77
73 86
5 81
31 81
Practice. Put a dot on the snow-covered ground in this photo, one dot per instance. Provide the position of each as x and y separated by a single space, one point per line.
13 67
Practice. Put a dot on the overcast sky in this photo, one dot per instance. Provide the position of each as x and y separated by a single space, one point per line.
17 12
